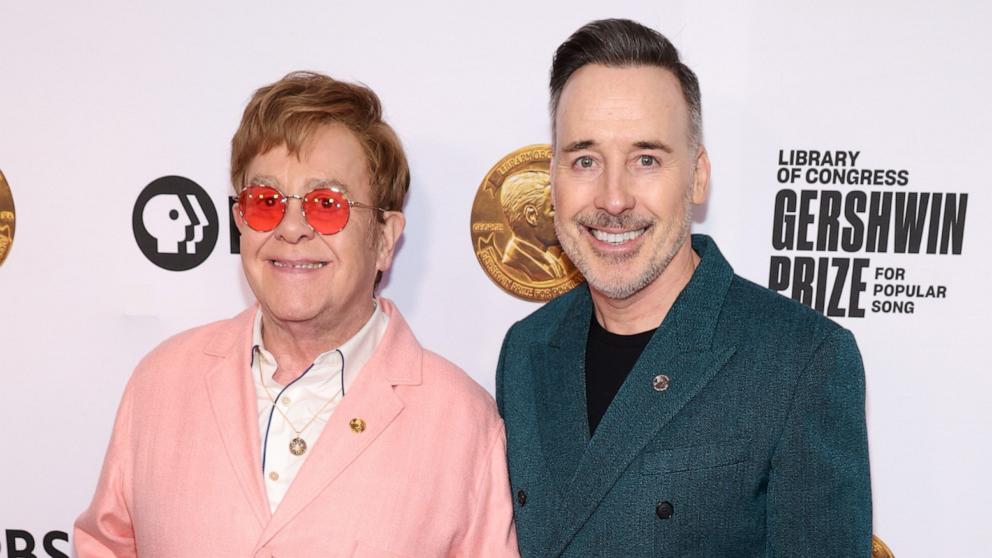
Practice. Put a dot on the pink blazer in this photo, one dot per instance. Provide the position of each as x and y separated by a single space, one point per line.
183 475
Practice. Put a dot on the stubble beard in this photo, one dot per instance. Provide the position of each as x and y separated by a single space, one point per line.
608 277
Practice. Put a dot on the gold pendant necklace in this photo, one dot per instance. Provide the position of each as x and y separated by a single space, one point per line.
297 446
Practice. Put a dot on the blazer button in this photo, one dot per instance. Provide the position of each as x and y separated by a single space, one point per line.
522 497
664 510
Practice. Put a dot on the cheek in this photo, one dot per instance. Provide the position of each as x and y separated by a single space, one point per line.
662 196
567 202
250 242
674 202
356 248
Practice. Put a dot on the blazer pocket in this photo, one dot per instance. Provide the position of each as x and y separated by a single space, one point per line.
692 458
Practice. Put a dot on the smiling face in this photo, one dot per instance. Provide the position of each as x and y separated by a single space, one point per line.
300 276
624 175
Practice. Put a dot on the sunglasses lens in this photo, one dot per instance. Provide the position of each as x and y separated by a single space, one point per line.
326 210
261 207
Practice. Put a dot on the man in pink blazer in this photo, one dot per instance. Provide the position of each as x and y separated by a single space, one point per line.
313 423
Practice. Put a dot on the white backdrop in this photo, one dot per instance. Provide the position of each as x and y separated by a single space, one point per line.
99 99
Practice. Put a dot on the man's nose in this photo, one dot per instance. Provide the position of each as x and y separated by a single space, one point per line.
294 227
614 194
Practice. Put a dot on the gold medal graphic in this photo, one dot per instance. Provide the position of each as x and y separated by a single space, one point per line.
6 218
879 550
513 232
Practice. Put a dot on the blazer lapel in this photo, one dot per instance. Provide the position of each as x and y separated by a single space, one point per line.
634 418
559 383
682 348
232 398
396 361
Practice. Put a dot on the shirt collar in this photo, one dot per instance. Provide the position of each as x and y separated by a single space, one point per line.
349 358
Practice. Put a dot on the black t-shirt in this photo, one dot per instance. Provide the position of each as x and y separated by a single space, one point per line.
609 359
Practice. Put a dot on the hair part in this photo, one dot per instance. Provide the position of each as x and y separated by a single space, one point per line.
622 43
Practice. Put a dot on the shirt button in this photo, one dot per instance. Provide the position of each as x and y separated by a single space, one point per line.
274 476
664 510
285 400
522 497
660 382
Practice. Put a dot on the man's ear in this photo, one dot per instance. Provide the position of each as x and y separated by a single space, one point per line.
701 177
236 217
389 234
530 215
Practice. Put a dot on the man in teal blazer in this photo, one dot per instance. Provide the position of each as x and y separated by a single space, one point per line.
669 407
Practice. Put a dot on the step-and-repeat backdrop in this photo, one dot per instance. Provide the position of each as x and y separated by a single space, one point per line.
850 144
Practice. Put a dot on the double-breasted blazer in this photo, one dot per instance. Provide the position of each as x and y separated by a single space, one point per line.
754 446
183 476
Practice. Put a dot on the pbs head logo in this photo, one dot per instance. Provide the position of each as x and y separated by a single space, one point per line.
175 223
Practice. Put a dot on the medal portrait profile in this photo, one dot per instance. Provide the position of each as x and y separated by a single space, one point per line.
513 232
7 218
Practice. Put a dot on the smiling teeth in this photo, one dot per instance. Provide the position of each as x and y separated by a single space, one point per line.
313 265
616 238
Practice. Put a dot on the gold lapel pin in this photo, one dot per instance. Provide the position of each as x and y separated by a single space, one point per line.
660 382
357 425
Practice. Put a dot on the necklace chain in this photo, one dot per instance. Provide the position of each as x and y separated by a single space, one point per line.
297 446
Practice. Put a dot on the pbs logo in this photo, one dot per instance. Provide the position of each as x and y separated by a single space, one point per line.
18 543
175 223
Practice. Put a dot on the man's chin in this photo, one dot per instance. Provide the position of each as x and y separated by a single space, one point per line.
616 289
620 280
291 313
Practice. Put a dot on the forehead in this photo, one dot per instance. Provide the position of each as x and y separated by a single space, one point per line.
639 102
332 152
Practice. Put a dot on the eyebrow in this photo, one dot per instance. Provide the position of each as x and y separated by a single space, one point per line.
578 146
652 144
582 145
326 183
262 180
311 184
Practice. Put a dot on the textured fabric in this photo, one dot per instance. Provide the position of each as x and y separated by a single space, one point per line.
757 448
609 359
425 477
308 400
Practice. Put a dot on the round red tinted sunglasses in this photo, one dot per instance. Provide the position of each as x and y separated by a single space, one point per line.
326 210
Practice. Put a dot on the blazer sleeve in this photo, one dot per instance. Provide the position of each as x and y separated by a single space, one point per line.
491 533
105 530
819 490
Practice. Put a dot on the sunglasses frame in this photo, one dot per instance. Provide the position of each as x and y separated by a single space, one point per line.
284 200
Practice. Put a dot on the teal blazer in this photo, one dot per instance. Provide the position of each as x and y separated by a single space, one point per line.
755 447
